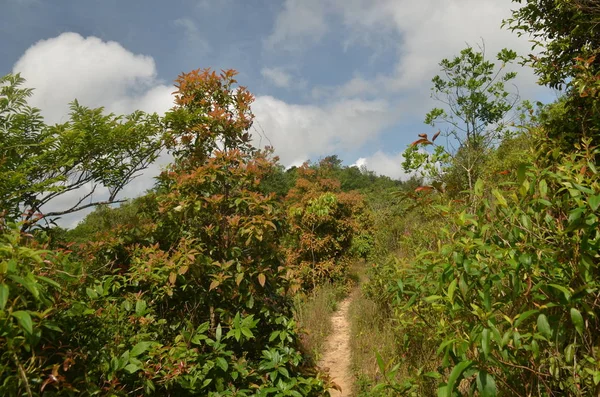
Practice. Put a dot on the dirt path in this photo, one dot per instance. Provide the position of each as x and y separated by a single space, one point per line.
336 357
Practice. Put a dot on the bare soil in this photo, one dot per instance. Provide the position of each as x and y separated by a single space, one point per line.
336 356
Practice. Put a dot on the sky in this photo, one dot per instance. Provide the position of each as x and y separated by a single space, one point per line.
345 77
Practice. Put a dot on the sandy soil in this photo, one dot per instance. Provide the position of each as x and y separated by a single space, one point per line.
336 356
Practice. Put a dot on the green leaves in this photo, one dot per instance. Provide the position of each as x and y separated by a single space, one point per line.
457 372
486 385
577 320
24 319
4 293
139 348
594 202
476 116
40 163
485 342
543 326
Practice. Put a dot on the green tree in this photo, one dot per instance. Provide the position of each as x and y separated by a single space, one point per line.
566 35
477 114
40 163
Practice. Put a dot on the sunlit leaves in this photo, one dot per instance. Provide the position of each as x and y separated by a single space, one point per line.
41 162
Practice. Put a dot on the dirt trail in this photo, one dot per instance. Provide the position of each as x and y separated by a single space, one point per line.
336 356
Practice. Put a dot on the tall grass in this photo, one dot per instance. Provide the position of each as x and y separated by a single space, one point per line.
313 313
371 332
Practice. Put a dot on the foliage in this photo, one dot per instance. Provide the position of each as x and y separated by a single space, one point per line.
565 35
191 300
512 291
478 113
30 287
563 30
39 163
326 226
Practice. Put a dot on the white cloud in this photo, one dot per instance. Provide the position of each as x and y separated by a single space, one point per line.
385 164
300 22
95 72
277 76
299 132
426 32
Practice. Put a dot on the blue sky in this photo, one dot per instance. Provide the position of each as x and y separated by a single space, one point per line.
349 77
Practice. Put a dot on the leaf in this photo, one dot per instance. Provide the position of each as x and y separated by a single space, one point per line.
524 316
478 189
455 375
183 270
380 363
48 281
562 289
594 202
24 320
172 278
239 278
485 342
262 279
451 289
4 291
422 141
27 283
499 198
577 319
543 188
139 348
131 368
521 172
222 363
544 326
214 284
486 385
140 307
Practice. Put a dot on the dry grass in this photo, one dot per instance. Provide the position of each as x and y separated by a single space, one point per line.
372 330
313 313
370 333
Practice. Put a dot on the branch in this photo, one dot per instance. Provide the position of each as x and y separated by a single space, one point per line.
73 209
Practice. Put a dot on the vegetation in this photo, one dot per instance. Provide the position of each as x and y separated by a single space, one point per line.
182 292
482 278
498 295
41 163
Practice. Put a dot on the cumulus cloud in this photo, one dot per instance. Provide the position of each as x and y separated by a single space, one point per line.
385 164
95 72
299 132
425 32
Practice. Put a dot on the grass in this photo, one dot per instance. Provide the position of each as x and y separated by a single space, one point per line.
376 331
371 332
313 313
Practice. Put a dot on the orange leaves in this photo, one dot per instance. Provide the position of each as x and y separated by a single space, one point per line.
424 140
262 279
210 112
424 189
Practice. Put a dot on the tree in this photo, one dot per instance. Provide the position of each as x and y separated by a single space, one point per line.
478 111
564 30
327 225
40 163
567 32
